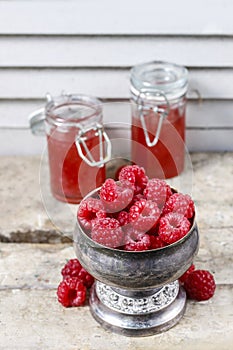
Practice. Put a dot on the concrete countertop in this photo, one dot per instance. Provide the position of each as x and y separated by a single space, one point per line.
34 247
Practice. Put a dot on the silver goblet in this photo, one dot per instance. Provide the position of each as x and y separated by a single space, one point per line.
137 293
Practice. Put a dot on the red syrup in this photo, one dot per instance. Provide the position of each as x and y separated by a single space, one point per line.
165 159
71 178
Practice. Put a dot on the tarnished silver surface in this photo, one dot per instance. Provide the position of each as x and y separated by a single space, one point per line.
138 325
136 270
137 295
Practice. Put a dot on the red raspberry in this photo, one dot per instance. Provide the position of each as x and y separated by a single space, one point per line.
144 215
180 203
73 268
141 243
123 218
107 232
115 196
158 191
200 285
137 198
172 227
135 175
89 210
71 292
156 242
185 275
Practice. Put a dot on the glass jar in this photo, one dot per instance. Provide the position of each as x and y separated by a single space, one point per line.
158 95
78 146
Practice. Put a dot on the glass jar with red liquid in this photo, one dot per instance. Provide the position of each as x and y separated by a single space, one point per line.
158 96
78 146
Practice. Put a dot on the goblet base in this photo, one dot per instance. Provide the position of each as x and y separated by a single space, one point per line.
137 313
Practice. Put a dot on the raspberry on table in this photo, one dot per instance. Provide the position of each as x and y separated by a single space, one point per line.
185 275
107 232
144 215
89 210
73 268
140 244
173 227
135 175
158 191
156 242
200 285
115 196
71 292
180 203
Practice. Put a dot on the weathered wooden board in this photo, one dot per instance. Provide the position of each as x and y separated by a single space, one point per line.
31 317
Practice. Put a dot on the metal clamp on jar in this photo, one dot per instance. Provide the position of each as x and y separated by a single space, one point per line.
78 146
158 94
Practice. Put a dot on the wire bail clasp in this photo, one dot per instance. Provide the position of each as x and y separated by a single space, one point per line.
162 112
104 152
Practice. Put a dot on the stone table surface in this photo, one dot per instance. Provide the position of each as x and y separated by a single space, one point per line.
35 242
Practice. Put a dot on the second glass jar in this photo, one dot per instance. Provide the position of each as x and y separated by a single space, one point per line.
158 96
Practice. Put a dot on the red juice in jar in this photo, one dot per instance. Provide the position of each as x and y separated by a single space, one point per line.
70 176
78 146
158 118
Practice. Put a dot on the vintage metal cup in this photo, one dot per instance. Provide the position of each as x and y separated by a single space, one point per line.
137 293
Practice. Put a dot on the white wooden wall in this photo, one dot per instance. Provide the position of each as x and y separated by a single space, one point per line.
88 46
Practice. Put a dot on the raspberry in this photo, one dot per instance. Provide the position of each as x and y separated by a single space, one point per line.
185 275
71 292
141 243
158 191
180 203
115 196
144 215
172 227
200 285
123 218
107 232
156 242
89 210
131 234
135 175
73 268
137 198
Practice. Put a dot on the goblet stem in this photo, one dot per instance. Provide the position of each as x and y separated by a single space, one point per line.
136 313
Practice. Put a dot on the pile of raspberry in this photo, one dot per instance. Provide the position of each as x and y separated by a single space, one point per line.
72 290
136 213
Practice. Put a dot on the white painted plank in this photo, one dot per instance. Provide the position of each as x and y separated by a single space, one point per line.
200 114
22 142
81 51
104 83
197 140
121 17
205 114
210 140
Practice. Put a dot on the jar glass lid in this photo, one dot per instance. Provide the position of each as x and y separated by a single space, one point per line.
171 79
72 108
